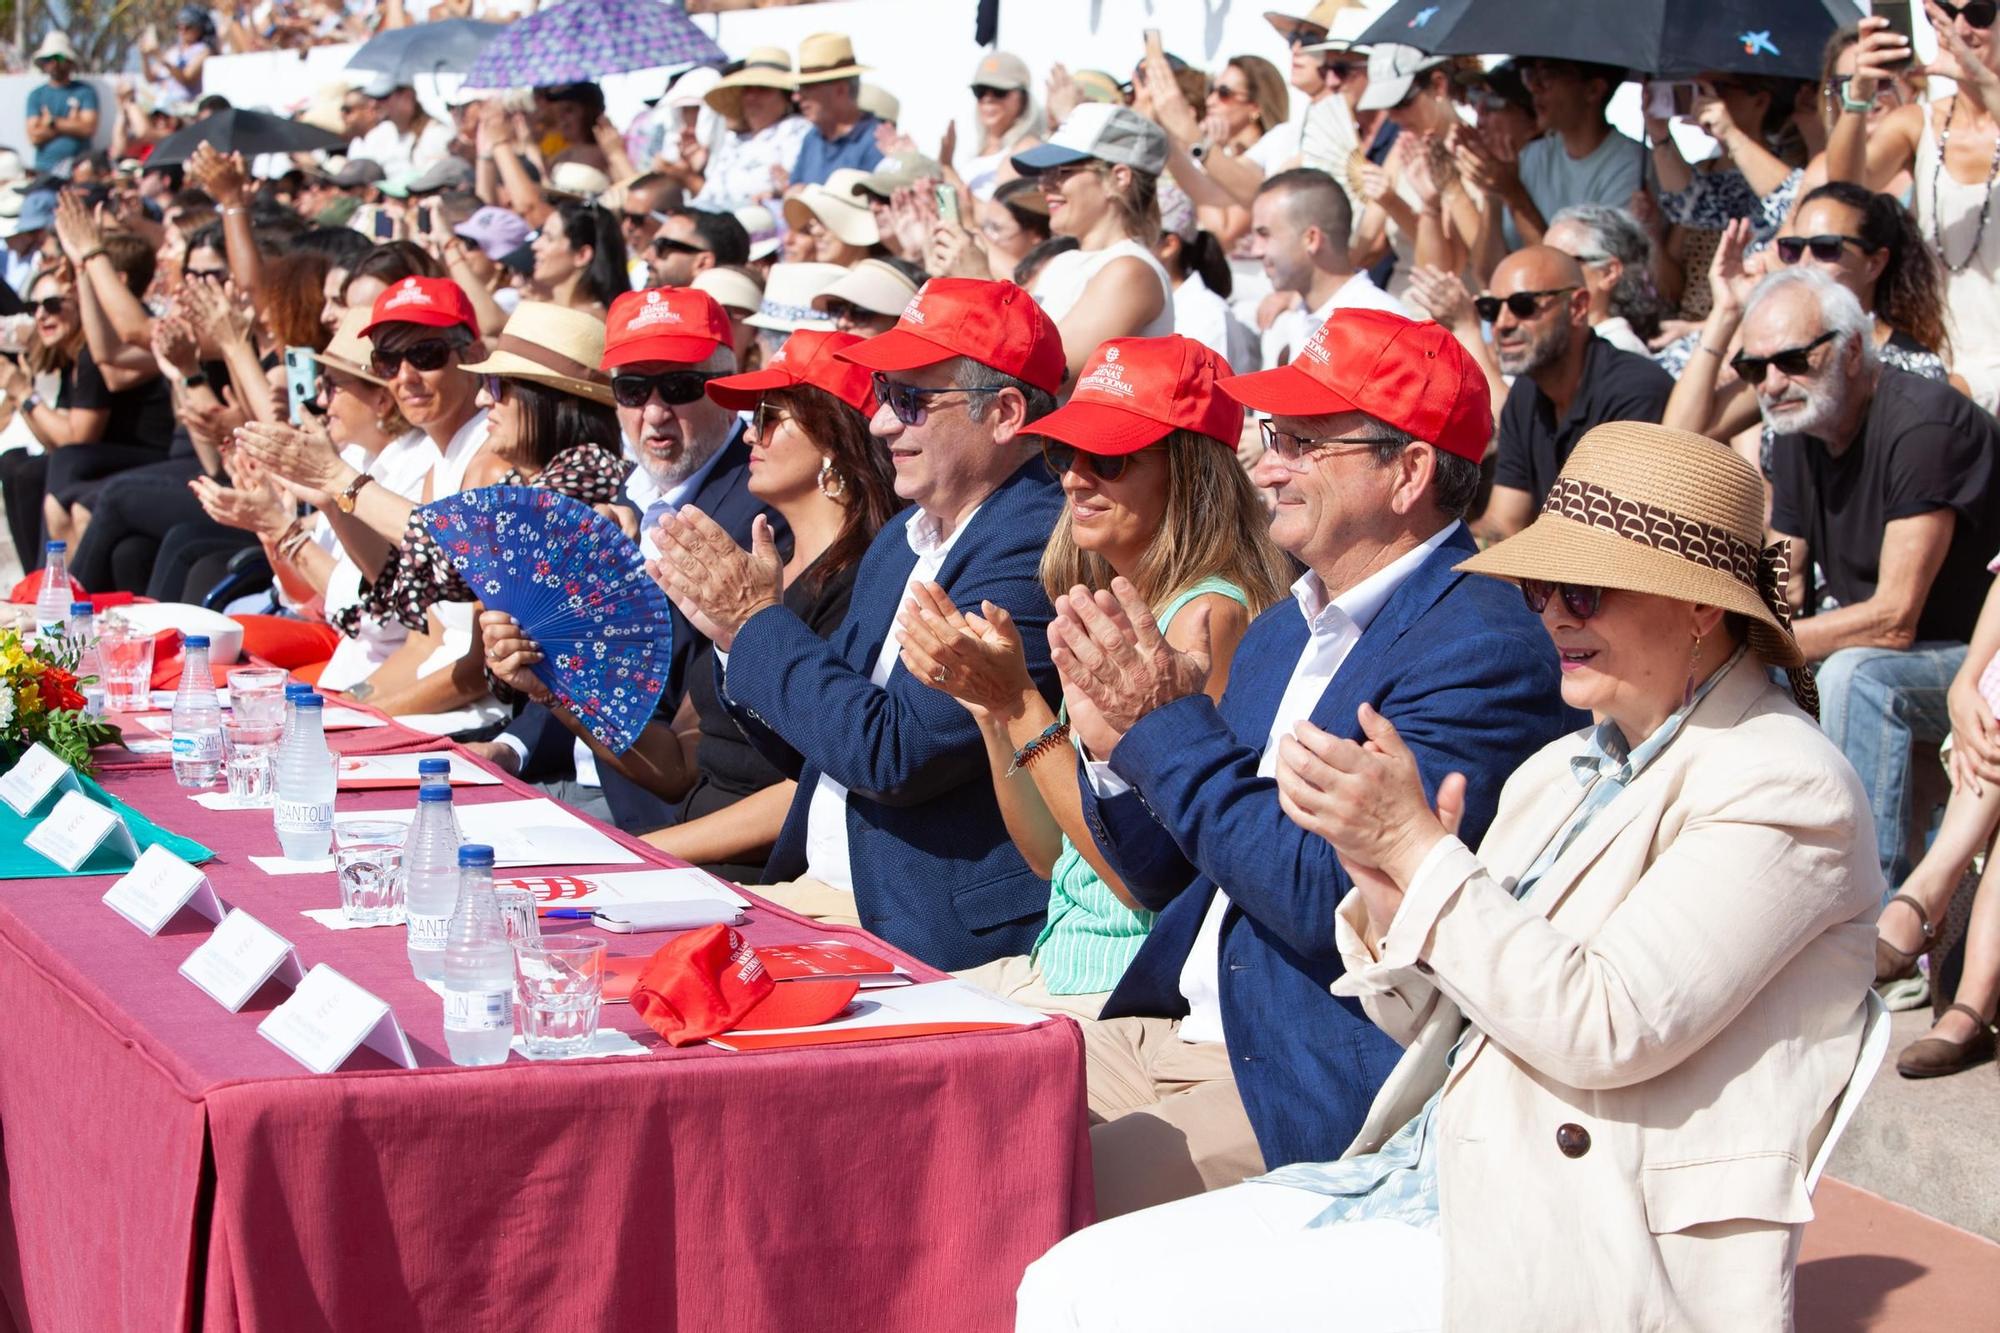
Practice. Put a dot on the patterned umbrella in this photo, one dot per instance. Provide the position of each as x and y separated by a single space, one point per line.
580 41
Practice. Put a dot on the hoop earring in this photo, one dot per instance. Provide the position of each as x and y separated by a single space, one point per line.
1687 692
831 484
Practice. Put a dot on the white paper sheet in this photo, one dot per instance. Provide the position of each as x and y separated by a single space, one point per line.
333 918
536 832
950 1001
657 885
403 768
608 1041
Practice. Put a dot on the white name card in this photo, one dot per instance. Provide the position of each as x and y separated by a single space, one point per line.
159 885
240 956
76 828
327 1017
40 774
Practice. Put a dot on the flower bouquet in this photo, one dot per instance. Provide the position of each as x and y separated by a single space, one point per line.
41 700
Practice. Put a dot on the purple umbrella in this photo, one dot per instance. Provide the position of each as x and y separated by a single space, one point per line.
580 41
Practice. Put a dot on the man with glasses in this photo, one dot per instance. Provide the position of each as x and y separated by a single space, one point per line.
1221 1052
1566 379
894 824
1884 485
400 135
647 200
691 240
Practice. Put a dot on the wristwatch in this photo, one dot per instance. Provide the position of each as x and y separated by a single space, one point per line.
345 500
198 380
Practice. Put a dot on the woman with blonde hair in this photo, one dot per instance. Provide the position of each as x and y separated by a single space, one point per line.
1145 452
1009 121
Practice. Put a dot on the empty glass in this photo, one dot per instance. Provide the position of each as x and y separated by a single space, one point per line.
249 758
368 856
560 981
517 913
257 697
125 659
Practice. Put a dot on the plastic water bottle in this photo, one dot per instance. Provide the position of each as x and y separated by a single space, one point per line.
434 771
478 968
197 718
83 631
293 693
430 879
302 805
52 598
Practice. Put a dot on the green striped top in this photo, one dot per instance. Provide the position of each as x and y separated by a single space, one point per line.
1091 936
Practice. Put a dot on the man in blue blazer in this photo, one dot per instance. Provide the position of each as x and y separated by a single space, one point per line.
1221 1053
895 824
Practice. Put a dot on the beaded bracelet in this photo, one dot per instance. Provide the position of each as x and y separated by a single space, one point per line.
1052 736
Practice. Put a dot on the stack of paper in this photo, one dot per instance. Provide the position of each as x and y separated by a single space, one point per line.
923 1010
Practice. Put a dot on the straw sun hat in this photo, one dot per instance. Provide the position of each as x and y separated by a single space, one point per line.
1647 509
350 349
552 345
764 67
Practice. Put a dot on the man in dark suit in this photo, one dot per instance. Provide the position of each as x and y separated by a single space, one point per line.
895 824
1221 1052
660 347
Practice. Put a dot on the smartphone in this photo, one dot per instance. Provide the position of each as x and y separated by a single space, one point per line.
1664 101
947 205
1153 46
301 381
1900 23
424 221
385 226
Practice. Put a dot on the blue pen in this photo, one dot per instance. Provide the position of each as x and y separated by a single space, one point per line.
567 914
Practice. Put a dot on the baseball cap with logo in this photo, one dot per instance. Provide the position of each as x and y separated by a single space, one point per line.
710 981
1115 134
1134 392
1410 374
664 324
806 358
1003 70
994 323
438 303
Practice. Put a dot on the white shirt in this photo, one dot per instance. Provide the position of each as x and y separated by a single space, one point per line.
404 154
401 467
448 477
1206 318
1618 332
826 815
1293 329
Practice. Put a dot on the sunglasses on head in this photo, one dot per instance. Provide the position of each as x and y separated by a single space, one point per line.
1580 600
910 402
1062 457
1521 305
424 357
49 305
1826 249
1794 361
983 92
677 388
1979 13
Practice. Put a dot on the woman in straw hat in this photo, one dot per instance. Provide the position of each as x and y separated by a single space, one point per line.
764 132
1627 1018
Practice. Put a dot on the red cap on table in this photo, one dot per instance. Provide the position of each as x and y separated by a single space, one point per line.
994 323
1135 391
710 981
437 303
664 324
1412 375
808 357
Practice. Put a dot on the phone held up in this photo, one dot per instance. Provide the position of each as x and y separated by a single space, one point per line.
1901 23
301 382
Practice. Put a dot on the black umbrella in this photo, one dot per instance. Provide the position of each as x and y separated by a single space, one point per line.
1660 38
446 47
245 132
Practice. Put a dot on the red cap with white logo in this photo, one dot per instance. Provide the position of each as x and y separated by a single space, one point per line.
676 324
994 323
1411 374
437 303
710 980
1135 391
808 357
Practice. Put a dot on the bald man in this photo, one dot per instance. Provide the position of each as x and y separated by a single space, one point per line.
1566 380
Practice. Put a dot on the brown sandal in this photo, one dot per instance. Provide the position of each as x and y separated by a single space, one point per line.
1893 964
1930 1057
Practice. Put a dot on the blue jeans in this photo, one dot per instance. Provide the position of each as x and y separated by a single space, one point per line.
1875 704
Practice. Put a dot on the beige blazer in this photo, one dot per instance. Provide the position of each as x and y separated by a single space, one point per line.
1659 1031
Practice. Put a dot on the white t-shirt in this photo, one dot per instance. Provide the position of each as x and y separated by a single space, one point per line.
401 467
1062 280
1291 330
404 154
1205 317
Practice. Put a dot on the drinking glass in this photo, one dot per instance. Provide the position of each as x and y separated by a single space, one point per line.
368 855
249 758
560 981
517 913
125 659
257 696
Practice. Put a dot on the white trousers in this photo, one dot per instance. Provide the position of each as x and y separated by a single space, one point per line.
1238 1258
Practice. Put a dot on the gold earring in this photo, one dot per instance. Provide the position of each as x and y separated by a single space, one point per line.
1687 693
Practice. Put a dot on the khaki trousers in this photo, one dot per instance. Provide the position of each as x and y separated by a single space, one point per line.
1167 1122
813 898
1017 978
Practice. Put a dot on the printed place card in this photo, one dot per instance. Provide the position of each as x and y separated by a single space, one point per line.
240 956
39 775
158 886
328 1016
76 828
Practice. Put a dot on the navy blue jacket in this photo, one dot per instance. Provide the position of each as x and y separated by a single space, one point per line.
934 870
1469 679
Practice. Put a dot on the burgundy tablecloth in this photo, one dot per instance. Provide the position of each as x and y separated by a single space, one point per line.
168 1168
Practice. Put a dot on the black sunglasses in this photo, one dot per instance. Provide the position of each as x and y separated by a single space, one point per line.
49 305
1521 305
1826 249
983 91
665 245
1580 600
638 219
909 401
1979 13
677 388
1062 457
426 356
1222 92
1794 361
1340 69
207 274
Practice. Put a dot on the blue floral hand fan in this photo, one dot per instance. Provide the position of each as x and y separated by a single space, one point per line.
579 588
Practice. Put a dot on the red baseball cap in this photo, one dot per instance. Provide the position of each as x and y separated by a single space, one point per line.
808 357
1412 375
994 323
438 303
664 324
1135 391
710 981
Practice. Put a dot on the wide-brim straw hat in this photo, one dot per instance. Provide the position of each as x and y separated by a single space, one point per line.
789 290
1313 24
55 46
764 67
351 351
552 345
826 56
1644 508
837 207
